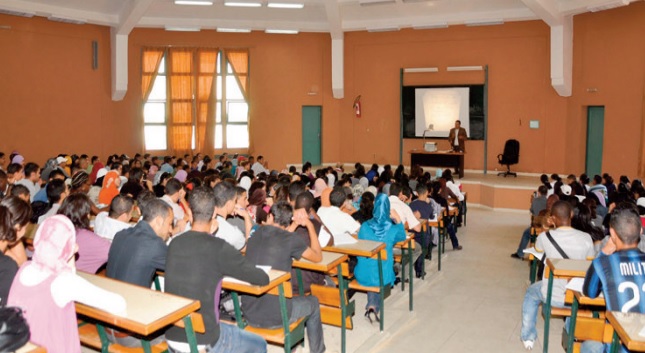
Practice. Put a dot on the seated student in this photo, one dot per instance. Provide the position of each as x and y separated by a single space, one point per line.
275 245
305 201
134 185
56 194
611 273
92 249
197 262
538 203
225 205
110 186
20 216
175 197
15 173
107 224
31 180
137 253
380 228
47 287
365 209
575 244
260 166
450 228
403 210
240 201
422 210
41 195
21 192
160 187
4 185
81 184
337 221
8 267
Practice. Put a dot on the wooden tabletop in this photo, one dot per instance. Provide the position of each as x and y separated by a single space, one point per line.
147 310
404 244
275 276
568 267
364 248
31 348
585 300
330 261
628 325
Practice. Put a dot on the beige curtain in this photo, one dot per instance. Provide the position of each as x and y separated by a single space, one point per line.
239 60
150 66
180 100
205 118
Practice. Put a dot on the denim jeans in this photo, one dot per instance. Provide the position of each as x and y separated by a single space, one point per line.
453 235
532 300
593 347
309 306
234 340
373 301
526 238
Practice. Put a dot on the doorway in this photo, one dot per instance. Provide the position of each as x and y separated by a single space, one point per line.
595 132
311 134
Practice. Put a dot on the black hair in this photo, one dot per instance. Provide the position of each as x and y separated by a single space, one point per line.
55 189
337 197
56 172
295 189
18 190
31 167
144 197
542 190
77 208
173 186
223 193
626 222
421 189
395 189
304 200
544 179
282 213
155 208
20 210
120 204
14 168
202 203
135 175
367 206
7 231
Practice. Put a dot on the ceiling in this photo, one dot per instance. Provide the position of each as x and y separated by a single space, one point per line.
327 16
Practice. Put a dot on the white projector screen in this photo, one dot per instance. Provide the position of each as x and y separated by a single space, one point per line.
440 107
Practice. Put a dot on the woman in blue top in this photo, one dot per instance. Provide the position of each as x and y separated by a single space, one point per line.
379 228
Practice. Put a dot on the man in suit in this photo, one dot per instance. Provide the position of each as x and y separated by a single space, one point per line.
457 138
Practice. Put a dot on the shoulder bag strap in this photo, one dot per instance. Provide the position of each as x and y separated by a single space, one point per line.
555 244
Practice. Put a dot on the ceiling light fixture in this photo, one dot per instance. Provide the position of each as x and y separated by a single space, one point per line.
234 30
242 4
285 5
484 23
382 29
464 68
62 19
281 31
421 69
375 2
431 26
182 29
194 2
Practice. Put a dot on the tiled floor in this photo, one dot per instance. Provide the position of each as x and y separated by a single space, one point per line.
472 305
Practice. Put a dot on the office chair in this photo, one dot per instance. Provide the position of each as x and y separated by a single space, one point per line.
510 156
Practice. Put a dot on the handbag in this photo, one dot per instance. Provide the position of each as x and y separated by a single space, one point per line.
14 330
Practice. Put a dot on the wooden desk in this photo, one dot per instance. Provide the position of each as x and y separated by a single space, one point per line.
407 244
31 348
626 327
276 278
329 262
147 310
561 269
439 159
369 249
580 299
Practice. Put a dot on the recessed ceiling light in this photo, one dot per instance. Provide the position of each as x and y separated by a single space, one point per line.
182 29
233 30
62 19
431 26
284 5
382 29
194 2
242 4
484 23
281 31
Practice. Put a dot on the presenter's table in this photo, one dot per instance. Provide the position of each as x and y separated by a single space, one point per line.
439 159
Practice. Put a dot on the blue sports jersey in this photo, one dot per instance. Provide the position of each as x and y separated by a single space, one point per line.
621 277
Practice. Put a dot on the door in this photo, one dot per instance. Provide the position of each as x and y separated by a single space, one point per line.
311 129
595 128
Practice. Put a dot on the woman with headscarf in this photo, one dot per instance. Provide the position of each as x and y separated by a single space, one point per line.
379 228
110 187
47 287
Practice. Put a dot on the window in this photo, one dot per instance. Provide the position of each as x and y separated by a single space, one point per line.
164 115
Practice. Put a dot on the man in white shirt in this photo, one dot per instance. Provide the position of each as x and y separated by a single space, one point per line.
106 225
225 205
575 244
402 209
56 194
340 224
260 166
31 180
175 195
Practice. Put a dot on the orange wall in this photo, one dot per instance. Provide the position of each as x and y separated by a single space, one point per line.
50 93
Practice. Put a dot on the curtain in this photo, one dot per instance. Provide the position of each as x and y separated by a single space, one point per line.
205 117
180 100
239 60
150 66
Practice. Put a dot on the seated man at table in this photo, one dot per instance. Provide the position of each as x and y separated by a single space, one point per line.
538 203
226 205
107 224
338 222
422 209
275 245
575 245
617 270
197 262
137 253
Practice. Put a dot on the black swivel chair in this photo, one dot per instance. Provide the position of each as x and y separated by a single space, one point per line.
510 156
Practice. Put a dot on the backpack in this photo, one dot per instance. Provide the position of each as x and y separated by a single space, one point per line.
14 331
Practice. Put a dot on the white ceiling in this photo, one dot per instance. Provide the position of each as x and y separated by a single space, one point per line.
331 16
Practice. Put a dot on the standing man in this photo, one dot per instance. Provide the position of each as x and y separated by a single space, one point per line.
457 137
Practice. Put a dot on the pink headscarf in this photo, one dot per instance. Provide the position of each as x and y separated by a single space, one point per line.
181 175
319 186
54 244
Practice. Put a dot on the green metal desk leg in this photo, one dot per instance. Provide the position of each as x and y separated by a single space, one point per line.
572 325
285 319
105 343
381 290
615 343
403 270
410 257
547 312
190 334
146 346
343 308
238 310
439 248
532 272
301 286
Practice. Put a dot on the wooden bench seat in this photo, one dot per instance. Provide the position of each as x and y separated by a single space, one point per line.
330 306
276 335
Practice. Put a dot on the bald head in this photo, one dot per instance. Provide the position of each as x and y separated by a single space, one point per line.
562 212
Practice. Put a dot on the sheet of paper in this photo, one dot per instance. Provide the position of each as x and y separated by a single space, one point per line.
534 252
576 284
264 268
343 239
324 237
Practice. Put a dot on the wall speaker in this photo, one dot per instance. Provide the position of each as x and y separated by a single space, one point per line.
95 55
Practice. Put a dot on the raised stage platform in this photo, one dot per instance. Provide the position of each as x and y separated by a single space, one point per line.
497 192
